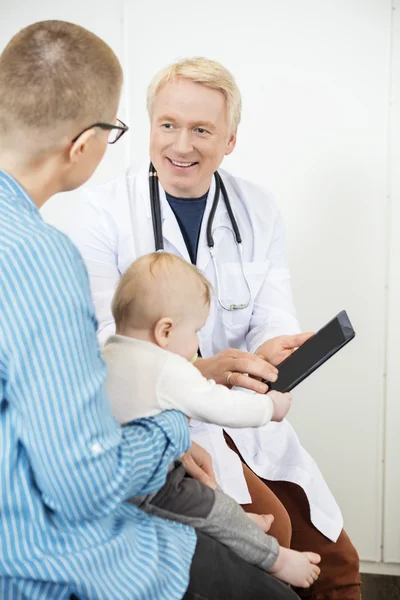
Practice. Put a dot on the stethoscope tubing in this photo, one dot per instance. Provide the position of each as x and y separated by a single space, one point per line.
158 235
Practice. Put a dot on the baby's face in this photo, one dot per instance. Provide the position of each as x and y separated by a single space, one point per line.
183 338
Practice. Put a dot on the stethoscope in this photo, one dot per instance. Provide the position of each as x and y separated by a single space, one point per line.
158 236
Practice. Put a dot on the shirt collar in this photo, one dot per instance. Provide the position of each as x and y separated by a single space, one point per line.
11 187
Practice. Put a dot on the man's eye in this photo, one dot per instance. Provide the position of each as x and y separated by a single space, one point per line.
201 130
167 125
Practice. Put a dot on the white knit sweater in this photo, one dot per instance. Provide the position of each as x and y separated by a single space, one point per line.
144 380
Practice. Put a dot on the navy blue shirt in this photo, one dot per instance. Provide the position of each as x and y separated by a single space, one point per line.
189 214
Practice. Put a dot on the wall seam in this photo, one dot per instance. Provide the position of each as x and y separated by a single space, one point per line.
388 239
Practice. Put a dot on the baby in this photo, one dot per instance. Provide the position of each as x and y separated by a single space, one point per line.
159 306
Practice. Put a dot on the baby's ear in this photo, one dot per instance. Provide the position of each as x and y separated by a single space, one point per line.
162 331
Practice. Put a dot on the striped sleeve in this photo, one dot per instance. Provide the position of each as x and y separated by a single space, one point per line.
83 463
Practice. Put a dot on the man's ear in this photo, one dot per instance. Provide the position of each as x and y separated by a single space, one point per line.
231 143
162 331
79 147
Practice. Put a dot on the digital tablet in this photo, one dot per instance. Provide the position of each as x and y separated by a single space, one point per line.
313 353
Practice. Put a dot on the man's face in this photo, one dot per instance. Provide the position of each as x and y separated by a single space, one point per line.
189 137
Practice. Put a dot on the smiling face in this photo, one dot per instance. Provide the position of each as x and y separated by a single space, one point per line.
189 136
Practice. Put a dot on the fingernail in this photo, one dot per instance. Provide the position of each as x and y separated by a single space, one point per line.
262 388
273 377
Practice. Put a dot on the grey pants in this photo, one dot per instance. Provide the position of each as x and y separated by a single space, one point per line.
189 501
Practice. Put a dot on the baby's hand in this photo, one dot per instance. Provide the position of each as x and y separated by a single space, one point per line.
296 568
282 404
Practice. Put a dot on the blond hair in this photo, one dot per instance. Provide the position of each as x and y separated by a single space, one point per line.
206 72
158 285
56 76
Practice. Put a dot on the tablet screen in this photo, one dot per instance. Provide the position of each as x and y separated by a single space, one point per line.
313 353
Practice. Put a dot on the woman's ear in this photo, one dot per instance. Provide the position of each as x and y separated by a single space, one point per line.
162 331
79 147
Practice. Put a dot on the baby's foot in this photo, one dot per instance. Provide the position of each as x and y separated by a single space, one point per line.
296 568
263 521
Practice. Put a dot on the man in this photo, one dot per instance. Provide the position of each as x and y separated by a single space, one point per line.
194 107
66 467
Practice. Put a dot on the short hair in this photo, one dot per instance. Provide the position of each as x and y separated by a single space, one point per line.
54 74
157 285
209 73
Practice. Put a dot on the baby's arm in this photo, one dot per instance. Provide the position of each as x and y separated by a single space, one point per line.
183 387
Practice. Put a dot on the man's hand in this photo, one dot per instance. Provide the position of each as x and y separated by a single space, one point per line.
231 367
198 464
279 348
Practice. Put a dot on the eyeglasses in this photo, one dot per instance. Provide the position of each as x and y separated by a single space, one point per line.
116 131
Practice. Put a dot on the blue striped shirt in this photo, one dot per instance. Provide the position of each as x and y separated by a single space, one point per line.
66 467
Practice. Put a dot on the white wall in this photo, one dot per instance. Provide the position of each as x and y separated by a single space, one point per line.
391 543
319 130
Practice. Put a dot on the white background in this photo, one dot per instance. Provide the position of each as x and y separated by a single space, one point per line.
321 128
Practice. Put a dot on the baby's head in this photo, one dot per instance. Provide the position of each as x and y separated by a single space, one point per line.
163 299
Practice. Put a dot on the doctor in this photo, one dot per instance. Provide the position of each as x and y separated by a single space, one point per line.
232 230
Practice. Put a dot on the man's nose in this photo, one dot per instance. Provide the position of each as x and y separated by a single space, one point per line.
183 143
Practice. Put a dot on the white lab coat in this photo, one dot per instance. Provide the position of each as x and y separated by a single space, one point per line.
113 227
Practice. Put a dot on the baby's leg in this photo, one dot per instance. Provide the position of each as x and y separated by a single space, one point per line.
297 568
180 498
188 501
264 522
